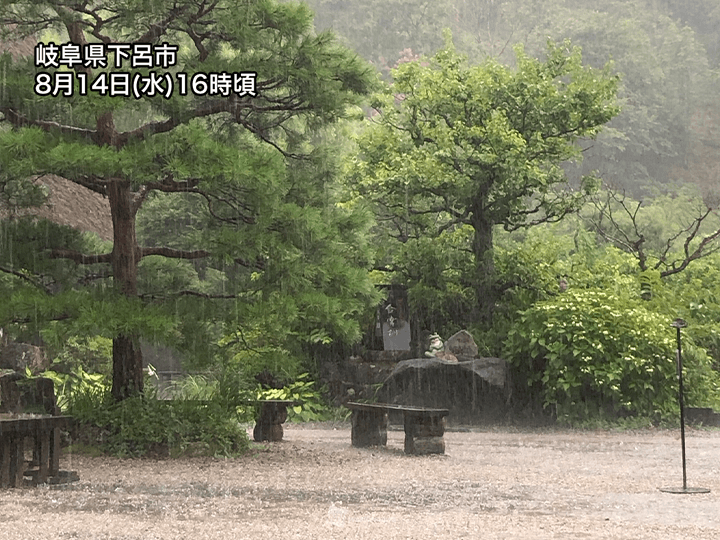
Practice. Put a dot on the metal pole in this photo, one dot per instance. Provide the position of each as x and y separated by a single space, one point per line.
678 324
682 405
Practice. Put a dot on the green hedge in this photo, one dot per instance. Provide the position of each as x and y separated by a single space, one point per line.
589 354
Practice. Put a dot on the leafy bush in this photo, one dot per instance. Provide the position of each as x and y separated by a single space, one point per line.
310 406
697 291
589 354
91 353
143 425
232 393
192 387
78 389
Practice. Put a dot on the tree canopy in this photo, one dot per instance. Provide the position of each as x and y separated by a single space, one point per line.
246 226
458 145
226 135
666 54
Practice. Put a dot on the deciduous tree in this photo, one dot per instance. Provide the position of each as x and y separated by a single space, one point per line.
459 145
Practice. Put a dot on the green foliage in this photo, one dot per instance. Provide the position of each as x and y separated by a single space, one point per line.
140 425
590 353
194 387
92 353
16 195
694 295
532 264
666 80
143 425
310 405
439 279
240 192
233 391
665 234
265 353
664 52
493 135
78 391
458 149
25 244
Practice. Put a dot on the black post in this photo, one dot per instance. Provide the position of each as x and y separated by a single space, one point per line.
679 325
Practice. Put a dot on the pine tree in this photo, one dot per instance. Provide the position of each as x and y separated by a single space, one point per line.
211 100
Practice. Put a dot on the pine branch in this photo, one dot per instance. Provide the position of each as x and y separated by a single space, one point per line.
139 198
98 24
24 277
153 296
232 105
169 185
87 278
159 28
172 253
94 184
19 120
153 128
27 320
80 258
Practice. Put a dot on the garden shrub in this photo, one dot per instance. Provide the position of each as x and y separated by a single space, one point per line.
310 405
144 425
589 354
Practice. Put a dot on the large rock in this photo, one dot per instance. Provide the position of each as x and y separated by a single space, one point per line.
475 391
447 356
18 394
462 344
18 356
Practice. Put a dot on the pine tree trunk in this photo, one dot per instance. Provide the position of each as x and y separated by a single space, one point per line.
127 367
482 247
127 356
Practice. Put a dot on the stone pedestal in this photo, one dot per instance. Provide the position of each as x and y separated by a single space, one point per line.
424 432
369 428
268 426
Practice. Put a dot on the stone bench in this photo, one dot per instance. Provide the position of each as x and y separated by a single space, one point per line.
424 428
45 430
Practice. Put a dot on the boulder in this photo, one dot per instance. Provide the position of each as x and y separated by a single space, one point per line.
18 394
447 356
18 356
474 391
462 344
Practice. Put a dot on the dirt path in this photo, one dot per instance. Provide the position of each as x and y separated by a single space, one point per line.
492 484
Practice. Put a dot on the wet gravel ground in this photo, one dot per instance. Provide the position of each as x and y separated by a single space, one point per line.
494 483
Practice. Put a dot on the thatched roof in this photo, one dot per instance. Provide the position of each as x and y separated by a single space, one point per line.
73 205
20 47
69 203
